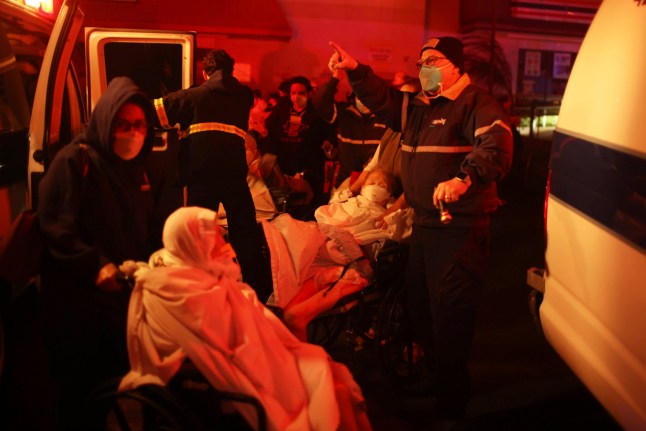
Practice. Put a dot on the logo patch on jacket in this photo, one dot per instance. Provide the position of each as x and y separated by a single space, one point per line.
438 122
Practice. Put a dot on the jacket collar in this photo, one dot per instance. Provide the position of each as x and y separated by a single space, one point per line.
451 93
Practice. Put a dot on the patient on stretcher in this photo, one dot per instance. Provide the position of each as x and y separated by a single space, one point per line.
362 215
316 264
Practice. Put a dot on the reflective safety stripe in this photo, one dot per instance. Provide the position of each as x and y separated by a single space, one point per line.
359 141
195 128
437 149
161 113
485 129
216 127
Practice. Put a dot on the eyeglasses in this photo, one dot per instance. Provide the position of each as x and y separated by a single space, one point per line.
122 125
428 61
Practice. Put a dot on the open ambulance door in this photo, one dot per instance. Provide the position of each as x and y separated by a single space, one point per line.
157 61
57 114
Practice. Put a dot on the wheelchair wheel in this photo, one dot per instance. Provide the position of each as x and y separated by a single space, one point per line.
148 408
325 329
208 404
400 355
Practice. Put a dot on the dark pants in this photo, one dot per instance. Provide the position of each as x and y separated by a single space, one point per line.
315 177
85 333
244 233
444 281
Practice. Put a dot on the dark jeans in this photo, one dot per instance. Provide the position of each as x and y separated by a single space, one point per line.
244 233
444 281
85 332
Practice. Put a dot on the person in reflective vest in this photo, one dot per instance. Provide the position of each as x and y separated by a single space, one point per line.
214 118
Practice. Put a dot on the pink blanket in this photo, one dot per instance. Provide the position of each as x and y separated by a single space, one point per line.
307 261
193 305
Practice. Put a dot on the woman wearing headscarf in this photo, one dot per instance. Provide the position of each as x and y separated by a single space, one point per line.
95 211
191 303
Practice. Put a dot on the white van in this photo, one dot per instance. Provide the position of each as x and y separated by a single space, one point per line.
49 83
593 310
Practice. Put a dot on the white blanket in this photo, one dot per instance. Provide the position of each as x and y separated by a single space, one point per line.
357 215
194 306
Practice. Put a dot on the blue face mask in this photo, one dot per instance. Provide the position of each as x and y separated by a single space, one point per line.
431 78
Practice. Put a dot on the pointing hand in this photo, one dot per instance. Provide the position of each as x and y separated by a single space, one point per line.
341 59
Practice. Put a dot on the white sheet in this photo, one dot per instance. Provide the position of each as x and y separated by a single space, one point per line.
195 307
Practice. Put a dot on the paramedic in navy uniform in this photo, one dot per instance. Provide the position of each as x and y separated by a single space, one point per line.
456 145
215 116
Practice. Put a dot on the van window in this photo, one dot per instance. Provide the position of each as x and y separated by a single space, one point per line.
602 183
155 67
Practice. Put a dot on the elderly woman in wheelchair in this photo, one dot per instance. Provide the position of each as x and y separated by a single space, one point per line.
189 303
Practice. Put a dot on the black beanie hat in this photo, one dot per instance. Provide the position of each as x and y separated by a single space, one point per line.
450 47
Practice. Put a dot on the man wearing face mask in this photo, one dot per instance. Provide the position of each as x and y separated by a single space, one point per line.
456 144
359 131
296 133
213 160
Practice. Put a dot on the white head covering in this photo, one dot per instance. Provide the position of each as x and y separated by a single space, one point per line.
192 238
191 307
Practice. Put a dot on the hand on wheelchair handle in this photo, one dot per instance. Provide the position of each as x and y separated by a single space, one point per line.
106 279
126 274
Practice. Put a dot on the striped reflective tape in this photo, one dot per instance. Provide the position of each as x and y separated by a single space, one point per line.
437 149
359 141
161 113
216 127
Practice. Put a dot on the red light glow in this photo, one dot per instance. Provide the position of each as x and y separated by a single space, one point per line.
47 6
44 6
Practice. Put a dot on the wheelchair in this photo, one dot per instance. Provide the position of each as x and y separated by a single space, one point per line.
376 317
187 403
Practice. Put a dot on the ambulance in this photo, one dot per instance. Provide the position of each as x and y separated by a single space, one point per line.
593 308
51 76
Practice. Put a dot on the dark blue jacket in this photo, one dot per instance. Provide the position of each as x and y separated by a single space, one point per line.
463 129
